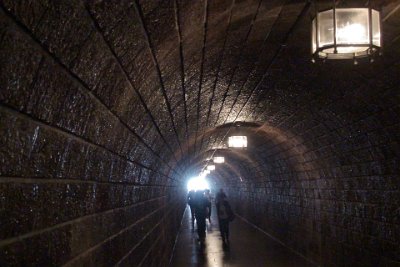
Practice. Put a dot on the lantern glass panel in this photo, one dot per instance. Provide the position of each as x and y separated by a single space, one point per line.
352 26
376 28
325 28
314 40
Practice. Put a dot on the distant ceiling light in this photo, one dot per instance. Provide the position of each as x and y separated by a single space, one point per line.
207 172
237 141
219 160
211 167
346 33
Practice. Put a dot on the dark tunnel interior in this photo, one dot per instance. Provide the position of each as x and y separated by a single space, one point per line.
107 108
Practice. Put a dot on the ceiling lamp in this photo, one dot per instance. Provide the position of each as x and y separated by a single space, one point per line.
346 33
218 160
211 167
237 141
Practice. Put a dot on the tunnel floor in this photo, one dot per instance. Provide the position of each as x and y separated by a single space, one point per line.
248 247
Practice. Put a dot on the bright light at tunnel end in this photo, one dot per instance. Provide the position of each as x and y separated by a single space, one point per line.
198 183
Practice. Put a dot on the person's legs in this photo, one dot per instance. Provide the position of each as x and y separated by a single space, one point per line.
201 228
227 231
223 224
221 228
192 213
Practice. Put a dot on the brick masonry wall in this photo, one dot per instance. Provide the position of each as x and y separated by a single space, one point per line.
81 183
97 98
328 180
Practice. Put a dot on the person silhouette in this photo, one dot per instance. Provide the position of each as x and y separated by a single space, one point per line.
225 216
200 213
207 195
191 201
219 195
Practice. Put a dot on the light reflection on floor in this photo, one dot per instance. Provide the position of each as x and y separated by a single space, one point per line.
212 253
249 248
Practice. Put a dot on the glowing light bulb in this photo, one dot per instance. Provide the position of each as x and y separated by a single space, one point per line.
352 33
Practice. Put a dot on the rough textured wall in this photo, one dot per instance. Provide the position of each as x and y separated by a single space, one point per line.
326 179
83 179
324 165
104 104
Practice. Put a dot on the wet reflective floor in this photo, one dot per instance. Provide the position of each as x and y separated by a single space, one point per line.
249 247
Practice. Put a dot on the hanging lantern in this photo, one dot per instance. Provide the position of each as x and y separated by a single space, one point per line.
219 160
237 141
346 33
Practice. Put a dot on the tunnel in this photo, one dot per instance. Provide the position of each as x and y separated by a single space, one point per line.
108 108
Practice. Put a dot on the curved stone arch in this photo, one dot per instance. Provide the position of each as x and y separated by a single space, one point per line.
297 154
258 135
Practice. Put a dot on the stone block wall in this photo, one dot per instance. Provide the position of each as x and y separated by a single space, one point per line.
84 177
328 180
104 103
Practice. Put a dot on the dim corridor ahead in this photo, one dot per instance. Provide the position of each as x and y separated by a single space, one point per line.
249 247
108 109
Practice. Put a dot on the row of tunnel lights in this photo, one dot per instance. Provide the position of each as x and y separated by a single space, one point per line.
236 141
199 182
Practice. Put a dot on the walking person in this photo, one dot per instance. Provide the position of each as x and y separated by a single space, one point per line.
219 196
207 195
225 216
191 201
200 212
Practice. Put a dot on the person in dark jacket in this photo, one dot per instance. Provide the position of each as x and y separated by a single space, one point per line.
200 212
190 201
225 216
219 196
207 195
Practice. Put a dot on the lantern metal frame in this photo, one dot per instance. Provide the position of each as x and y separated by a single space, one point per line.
320 52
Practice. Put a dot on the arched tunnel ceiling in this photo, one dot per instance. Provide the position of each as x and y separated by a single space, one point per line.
180 69
107 106
197 65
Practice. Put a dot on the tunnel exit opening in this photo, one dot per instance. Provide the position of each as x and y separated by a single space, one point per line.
198 183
